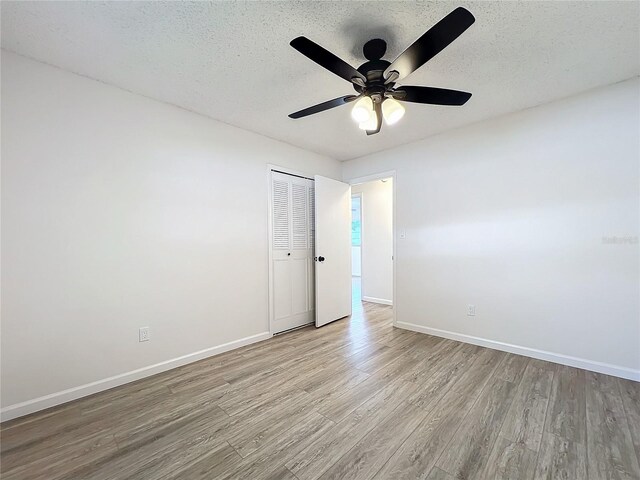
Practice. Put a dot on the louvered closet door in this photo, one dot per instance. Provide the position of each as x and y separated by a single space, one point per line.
292 254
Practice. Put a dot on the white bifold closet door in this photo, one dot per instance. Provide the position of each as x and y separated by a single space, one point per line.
292 251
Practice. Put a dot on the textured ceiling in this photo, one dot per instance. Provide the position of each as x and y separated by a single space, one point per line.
233 62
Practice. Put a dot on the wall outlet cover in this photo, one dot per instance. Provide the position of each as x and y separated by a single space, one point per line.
143 334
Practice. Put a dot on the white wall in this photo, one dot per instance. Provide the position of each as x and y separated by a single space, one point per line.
119 212
377 240
511 215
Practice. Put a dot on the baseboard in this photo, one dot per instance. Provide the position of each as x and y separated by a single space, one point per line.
47 401
377 300
593 366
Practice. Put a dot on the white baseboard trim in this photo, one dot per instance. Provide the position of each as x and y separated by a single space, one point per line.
593 366
51 400
382 301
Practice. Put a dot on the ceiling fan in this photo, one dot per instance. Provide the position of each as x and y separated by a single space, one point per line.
375 80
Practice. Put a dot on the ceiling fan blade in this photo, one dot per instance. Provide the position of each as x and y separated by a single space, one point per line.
431 95
378 109
321 107
326 59
431 43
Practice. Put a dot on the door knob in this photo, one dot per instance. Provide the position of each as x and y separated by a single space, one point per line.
321 259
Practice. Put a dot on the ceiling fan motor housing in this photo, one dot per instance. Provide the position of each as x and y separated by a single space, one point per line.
375 86
373 70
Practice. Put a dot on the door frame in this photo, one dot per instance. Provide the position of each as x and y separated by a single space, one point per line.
379 176
290 171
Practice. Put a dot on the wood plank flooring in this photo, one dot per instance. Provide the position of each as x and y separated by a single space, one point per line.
356 399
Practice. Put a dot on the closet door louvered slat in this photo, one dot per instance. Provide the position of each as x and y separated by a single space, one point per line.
280 214
312 217
300 209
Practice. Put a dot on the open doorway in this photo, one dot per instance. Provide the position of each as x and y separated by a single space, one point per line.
372 247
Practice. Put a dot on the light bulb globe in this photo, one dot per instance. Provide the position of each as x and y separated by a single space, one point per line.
363 110
371 123
392 111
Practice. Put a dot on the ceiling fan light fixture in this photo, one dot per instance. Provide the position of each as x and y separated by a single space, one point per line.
392 111
375 80
370 124
363 110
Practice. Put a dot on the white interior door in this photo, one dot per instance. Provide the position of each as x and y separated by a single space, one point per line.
333 250
292 251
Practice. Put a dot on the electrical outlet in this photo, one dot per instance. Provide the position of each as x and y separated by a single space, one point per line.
143 334
471 310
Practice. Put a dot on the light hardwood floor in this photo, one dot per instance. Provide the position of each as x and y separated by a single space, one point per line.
355 399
